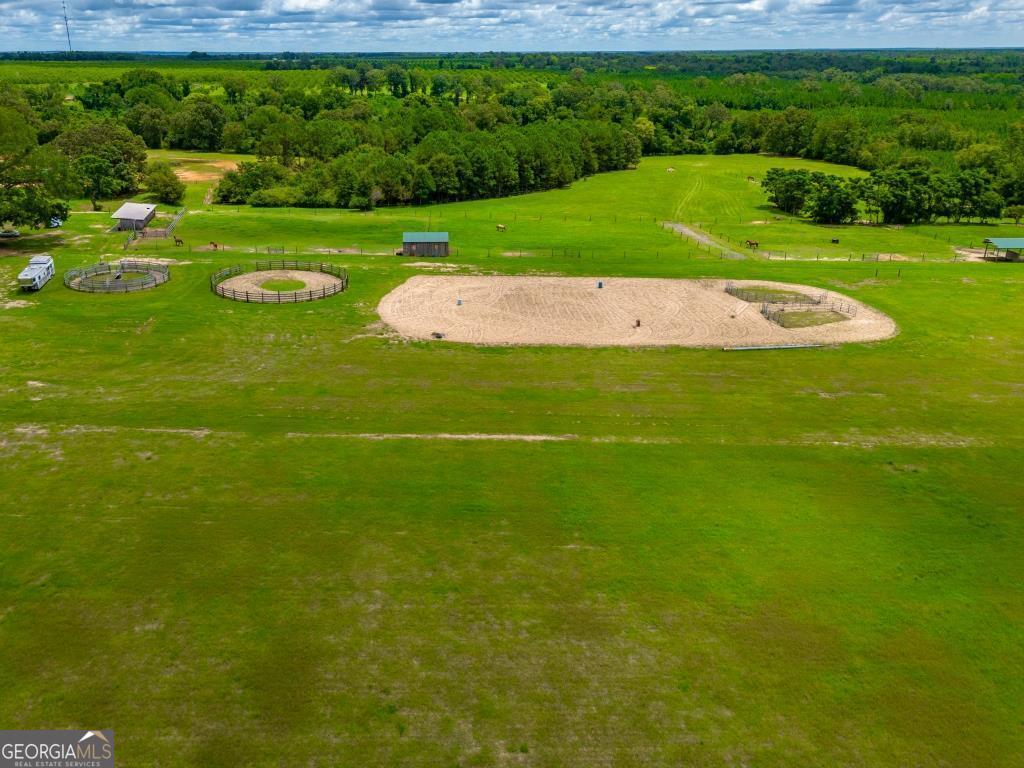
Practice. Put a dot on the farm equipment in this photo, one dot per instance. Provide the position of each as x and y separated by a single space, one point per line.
37 273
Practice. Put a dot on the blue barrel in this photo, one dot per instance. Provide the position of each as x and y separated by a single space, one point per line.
600 283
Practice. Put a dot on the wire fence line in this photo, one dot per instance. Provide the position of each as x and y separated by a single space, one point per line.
112 279
754 295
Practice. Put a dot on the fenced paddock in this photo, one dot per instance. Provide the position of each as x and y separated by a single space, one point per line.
790 308
125 276
163 232
242 282
150 233
762 294
803 314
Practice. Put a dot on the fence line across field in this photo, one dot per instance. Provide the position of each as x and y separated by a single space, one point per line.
693 250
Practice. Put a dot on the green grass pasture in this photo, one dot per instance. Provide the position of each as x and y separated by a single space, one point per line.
276 535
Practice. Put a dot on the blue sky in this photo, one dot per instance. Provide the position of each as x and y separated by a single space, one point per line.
480 25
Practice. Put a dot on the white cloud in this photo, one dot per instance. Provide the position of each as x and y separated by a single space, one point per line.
427 25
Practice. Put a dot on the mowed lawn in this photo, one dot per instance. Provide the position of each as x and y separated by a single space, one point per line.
276 535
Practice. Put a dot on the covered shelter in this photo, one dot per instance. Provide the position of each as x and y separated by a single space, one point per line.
424 243
1004 248
134 216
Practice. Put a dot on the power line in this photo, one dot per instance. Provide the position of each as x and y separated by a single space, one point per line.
67 29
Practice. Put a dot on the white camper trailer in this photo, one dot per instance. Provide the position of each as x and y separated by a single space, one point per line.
37 273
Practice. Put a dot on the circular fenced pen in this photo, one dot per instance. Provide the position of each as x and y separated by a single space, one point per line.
124 276
279 282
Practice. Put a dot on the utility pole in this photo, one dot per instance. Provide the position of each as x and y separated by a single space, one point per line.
67 29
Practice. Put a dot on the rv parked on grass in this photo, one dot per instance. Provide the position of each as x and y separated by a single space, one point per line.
37 273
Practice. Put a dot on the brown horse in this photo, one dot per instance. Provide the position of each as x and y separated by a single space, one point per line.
178 242
501 227
753 244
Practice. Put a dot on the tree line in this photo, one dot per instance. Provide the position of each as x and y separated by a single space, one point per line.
387 130
910 193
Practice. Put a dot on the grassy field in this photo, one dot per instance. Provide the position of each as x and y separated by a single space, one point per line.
607 218
276 535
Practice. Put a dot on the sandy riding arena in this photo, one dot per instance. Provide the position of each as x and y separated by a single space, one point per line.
574 311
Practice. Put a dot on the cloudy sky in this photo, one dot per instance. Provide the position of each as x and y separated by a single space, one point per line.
480 25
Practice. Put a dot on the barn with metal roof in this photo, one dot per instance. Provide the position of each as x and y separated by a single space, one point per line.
425 244
134 216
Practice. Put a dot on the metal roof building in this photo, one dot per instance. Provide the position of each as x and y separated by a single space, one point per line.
134 215
424 243
1011 247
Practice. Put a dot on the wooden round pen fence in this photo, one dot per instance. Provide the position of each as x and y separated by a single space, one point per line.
240 282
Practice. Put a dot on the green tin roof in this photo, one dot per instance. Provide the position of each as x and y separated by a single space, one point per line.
424 237
1012 243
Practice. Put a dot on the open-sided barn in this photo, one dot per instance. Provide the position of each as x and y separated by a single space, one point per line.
1008 248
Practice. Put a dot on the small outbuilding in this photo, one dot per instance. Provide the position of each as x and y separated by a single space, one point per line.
1005 248
134 216
425 244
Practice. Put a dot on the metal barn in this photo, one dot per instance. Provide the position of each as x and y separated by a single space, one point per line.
425 244
134 216
1005 248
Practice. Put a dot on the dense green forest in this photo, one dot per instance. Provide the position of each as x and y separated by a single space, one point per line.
941 127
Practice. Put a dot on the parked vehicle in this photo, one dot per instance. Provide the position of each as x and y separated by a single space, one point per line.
37 273
9 233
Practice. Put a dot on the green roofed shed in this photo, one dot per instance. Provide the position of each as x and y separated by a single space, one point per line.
1009 248
424 243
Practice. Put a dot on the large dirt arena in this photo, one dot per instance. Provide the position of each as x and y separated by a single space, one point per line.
573 311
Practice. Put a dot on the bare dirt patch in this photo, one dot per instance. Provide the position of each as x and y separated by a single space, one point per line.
351 251
252 282
440 266
191 175
17 304
155 260
977 254
570 311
